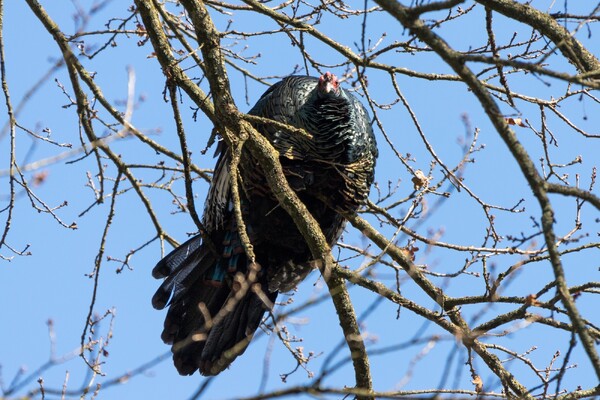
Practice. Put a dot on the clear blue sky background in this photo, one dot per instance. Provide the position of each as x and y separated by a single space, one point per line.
52 282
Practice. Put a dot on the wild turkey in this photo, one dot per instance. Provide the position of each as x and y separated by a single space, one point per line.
213 312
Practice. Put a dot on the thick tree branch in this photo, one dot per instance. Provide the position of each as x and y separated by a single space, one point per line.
574 192
570 47
520 154
230 123
83 110
459 328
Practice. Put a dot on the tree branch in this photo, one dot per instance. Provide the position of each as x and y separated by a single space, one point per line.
228 120
521 156
570 47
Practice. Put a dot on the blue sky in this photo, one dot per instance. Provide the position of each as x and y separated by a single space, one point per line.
51 283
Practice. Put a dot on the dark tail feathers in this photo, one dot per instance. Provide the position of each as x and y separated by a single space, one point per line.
209 323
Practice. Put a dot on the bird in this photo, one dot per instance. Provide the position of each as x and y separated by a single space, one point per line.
217 297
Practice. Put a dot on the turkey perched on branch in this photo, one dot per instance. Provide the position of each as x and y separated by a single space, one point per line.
216 297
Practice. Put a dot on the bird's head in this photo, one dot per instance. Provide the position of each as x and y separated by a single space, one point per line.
329 84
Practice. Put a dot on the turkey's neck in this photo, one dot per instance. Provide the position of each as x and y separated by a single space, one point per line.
328 119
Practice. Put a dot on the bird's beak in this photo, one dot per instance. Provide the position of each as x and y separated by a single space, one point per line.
329 87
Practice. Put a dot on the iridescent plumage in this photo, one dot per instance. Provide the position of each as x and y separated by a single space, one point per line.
207 325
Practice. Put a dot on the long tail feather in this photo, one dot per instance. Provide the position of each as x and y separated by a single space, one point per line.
182 272
215 303
175 259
